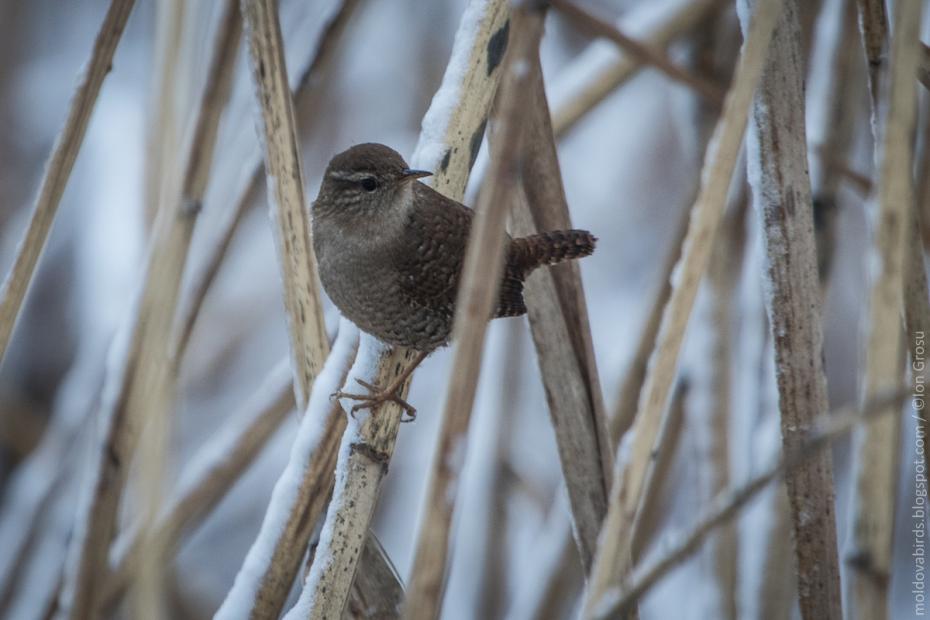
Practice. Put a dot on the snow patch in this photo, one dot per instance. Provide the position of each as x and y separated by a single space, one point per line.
239 601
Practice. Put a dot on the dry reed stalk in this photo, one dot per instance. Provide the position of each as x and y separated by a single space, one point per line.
298 498
447 146
307 93
876 446
558 319
722 279
777 165
59 166
728 504
162 128
643 53
284 177
632 382
633 460
596 88
141 387
158 388
212 472
481 272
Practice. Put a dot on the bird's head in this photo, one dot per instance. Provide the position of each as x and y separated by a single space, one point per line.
364 180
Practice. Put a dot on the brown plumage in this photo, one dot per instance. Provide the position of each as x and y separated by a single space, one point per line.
390 249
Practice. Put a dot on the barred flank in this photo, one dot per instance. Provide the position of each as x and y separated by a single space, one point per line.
552 247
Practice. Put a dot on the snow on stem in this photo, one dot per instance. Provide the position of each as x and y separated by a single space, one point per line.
243 600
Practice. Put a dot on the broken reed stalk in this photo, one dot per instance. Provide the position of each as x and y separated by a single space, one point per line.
284 179
728 504
477 296
777 165
558 319
643 53
567 112
876 446
448 144
307 93
141 386
212 472
59 166
633 460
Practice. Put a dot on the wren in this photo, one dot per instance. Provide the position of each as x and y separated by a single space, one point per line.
390 251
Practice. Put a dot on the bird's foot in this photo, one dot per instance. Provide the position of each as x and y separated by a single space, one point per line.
377 397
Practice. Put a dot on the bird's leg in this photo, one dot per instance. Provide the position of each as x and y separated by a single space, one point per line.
377 396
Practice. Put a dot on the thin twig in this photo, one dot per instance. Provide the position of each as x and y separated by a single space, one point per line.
641 52
603 80
720 161
447 146
876 446
59 166
729 503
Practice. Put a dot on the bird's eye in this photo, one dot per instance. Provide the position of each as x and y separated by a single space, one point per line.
369 184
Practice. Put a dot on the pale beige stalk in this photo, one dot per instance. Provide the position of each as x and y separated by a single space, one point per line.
59 166
613 558
876 447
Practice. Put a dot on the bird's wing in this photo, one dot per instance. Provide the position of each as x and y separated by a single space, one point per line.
436 232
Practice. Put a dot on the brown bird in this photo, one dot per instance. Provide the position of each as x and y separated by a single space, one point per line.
390 250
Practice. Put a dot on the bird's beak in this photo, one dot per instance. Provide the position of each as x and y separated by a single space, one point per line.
415 174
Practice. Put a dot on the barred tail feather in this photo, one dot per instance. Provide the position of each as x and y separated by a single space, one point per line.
549 248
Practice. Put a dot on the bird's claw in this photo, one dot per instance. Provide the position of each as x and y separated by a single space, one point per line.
376 397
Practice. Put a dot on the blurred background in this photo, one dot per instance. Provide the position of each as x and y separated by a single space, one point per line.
630 168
